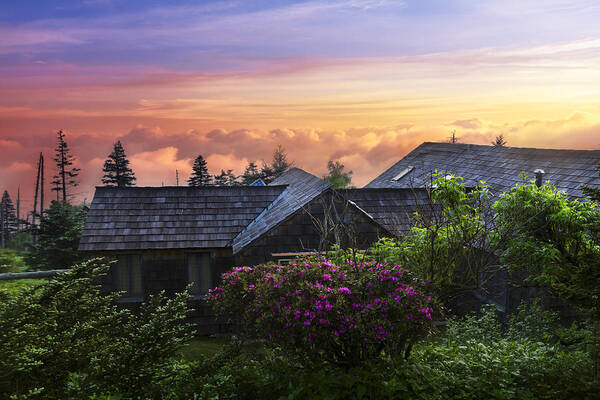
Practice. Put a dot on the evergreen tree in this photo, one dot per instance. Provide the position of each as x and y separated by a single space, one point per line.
500 141
232 179
225 178
221 179
200 175
116 168
8 219
278 166
60 230
251 174
337 177
66 172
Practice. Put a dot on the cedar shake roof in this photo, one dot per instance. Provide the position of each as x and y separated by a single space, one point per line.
302 188
136 218
500 167
393 209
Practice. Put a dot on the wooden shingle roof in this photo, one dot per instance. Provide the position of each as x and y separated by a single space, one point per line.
137 218
302 188
393 209
500 167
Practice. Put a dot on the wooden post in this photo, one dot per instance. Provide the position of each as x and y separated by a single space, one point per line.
41 185
37 188
18 208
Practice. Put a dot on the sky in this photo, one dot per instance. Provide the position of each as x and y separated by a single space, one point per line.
359 81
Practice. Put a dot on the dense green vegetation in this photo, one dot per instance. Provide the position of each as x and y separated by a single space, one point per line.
62 339
58 236
370 337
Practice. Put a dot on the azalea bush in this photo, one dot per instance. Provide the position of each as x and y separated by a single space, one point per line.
344 314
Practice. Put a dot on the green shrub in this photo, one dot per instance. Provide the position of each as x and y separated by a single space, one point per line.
10 261
63 335
320 311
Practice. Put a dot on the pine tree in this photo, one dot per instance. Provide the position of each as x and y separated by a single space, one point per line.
116 168
200 175
232 179
60 230
500 141
251 174
66 172
338 178
8 219
221 179
278 166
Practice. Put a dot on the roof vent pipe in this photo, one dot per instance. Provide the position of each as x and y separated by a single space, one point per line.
539 177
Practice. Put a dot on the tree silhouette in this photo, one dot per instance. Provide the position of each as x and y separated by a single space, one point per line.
200 175
500 141
337 177
280 164
116 168
66 172
226 178
251 174
453 139
8 219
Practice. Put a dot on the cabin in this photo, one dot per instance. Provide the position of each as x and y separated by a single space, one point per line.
501 167
165 238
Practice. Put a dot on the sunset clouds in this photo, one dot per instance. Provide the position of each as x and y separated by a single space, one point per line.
363 81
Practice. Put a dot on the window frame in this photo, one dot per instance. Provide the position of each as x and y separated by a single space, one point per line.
126 260
196 291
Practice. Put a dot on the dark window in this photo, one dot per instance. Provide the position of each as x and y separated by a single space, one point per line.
199 272
129 276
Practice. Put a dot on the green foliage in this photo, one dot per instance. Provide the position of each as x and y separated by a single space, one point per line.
450 246
345 314
20 241
10 261
592 192
116 168
534 322
58 237
338 178
555 240
478 360
65 336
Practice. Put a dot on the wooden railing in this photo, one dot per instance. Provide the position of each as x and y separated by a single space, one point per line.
9 276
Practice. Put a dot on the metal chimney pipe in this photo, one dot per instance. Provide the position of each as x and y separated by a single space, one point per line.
539 177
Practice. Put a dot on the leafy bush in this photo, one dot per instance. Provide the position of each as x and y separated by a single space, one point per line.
320 311
63 334
60 230
10 261
477 360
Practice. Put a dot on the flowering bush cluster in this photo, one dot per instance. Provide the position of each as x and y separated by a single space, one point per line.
345 314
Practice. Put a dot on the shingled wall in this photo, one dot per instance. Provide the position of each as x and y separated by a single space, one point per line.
298 233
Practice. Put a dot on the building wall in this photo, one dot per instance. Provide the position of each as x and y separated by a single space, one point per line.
301 233
167 270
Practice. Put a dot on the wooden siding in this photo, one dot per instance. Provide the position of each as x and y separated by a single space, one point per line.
298 233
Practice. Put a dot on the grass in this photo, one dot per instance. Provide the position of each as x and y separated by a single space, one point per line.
203 346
